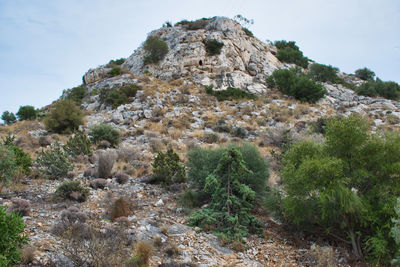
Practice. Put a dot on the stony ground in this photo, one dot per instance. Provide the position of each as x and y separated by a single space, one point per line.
180 114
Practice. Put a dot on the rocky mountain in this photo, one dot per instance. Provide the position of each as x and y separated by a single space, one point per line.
172 109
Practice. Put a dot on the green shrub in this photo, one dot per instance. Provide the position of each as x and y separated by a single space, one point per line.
194 25
26 113
156 49
53 163
77 94
213 47
115 71
395 231
12 237
239 132
289 52
116 62
324 73
365 74
229 94
167 168
231 201
119 95
202 162
8 117
389 90
346 186
104 131
78 144
294 83
64 190
248 32
65 117
22 159
8 166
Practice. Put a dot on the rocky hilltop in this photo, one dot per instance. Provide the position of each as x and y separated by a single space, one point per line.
243 62
172 109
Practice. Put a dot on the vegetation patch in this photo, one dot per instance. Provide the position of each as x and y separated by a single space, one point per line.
106 132
53 163
167 168
346 187
8 117
26 113
118 95
289 52
365 74
65 117
78 144
294 83
323 73
230 93
213 47
373 88
194 25
156 49
71 190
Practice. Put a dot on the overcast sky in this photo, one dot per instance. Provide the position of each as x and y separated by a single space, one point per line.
47 45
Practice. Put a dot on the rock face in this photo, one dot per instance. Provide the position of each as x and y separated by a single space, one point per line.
243 63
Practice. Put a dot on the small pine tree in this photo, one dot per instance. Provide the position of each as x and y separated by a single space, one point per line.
8 117
231 200
167 168
79 144
53 163
26 113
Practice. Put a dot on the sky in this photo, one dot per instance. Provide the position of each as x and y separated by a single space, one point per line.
47 45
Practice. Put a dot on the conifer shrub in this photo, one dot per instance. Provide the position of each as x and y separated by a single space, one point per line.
77 94
213 47
202 162
8 117
194 25
323 73
104 131
8 166
115 71
389 90
156 49
228 213
78 144
119 95
289 52
346 187
294 83
12 238
230 93
53 162
22 159
167 168
65 117
26 113
71 190
365 74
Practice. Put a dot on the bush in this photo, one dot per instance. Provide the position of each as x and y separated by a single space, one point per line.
74 221
194 25
20 206
345 186
65 117
22 159
122 178
202 162
231 200
119 208
12 238
294 83
26 113
167 168
143 252
77 94
395 231
78 144
53 163
289 52
116 62
389 90
365 74
155 49
115 71
105 164
8 117
229 94
239 132
102 132
323 73
118 96
213 47
71 190
8 166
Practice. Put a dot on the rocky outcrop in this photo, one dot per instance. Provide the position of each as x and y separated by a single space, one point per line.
243 63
